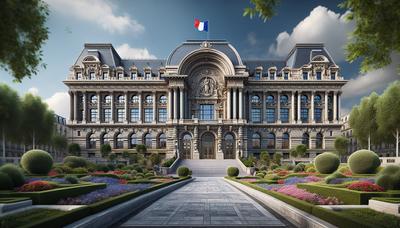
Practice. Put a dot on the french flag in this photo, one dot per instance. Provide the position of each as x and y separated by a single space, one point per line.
201 25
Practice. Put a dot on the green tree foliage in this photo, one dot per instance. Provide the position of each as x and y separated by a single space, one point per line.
277 158
59 142
341 144
74 149
23 32
105 150
301 150
155 159
264 9
10 111
141 148
264 158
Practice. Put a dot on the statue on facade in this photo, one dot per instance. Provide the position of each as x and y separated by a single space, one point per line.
207 86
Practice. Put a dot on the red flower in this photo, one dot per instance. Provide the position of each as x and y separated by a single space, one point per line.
123 181
283 173
365 186
281 181
52 173
36 186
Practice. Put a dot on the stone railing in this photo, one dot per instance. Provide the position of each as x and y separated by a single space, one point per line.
389 160
248 170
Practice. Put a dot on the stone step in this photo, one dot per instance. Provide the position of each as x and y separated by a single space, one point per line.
210 167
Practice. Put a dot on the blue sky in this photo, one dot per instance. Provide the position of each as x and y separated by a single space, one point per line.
153 28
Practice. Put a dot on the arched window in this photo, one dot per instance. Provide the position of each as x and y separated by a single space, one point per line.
256 141
148 140
317 99
163 99
93 99
121 99
133 141
271 140
91 142
285 140
105 139
305 140
107 99
270 100
255 99
119 142
284 99
135 99
304 99
162 141
318 140
149 99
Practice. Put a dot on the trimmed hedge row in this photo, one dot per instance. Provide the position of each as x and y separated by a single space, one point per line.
54 195
82 212
13 199
346 195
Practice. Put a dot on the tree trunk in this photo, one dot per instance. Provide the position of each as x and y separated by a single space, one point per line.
397 142
4 146
369 141
33 140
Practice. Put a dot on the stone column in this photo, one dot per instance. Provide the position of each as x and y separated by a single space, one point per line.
299 107
220 153
278 119
170 104
234 103
196 154
84 105
263 107
140 106
175 103
334 106
228 104
126 107
326 108
181 105
292 120
240 103
338 105
112 107
154 106
312 107
249 106
71 106
98 107
76 106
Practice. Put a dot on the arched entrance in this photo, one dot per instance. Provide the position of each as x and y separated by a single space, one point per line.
207 146
186 146
229 146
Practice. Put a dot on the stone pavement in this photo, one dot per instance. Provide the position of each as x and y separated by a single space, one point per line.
206 201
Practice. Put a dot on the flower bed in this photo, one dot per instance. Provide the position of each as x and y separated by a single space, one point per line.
36 186
295 180
301 194
349 179
365 186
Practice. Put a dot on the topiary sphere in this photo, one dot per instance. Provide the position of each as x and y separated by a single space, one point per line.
363 162
327 162
75 162
183 171
389 178
233 172
37 162
14 173
5 182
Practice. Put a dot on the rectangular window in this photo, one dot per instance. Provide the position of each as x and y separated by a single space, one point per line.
257 76
256 115
318 115
147 76
92 76
148 115
161 75
120 115
304 115
319 75
333 75
272 75
133 75
162 115
134 115
79 76
120 76
284 115
105 76
286 76
206 112
107 115
270 115
93 115
305 75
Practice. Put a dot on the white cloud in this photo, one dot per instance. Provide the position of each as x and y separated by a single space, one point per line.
376 80
321 26
34 91
252 38
100 12
59 103
127 52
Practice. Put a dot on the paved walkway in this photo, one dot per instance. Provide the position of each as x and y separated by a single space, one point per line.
206 201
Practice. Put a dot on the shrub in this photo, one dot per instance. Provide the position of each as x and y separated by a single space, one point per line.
74 149
261 175
289 166
274 166
105 150
16 175
37 162
344 169
168 162
277 157
36 186
148 175
72 179
141 148
233 171
299 167
75 162
309 165
363 162
271 177
5 182
389 178
139 175
102 167
365 186
333 176
327 162
311 170
155 159
126 176
183 171
79 170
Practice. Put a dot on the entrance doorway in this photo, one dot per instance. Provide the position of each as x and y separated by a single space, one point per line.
186 147
207 146
229 146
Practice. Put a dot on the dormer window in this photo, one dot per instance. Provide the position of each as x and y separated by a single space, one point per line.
120 76
78 76
286 76
161 75
147 75
134 75
105 75
319 73
92 75
272 75
333 75
305 75
257 76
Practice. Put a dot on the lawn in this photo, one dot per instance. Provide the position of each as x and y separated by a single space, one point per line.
24 218
371 218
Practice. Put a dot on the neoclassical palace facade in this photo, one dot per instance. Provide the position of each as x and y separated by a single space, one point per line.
204 101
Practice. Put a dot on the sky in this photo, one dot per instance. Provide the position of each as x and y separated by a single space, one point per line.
150 29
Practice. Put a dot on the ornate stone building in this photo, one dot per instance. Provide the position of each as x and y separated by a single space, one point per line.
205 101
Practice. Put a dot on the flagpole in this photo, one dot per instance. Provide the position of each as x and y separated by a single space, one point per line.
208 29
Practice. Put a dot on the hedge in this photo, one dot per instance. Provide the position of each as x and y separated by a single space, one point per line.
346 195
13 199
387 199
54 195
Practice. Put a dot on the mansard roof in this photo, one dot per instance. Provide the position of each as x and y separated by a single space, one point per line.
303 53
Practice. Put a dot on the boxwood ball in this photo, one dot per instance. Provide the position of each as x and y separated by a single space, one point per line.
14 173
233 172
37 162
363 162
327 162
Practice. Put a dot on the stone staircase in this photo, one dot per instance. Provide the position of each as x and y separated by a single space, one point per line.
210 167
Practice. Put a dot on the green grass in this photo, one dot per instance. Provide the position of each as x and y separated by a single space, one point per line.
387 199
26 217
371 218
13 199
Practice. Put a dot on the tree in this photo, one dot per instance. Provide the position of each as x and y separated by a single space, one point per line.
10 112
388 109
59 142
155 159
141 148
301 150
74 149
37 121
23 32
264 158
277 158
105 150
112 157
264 9
341 144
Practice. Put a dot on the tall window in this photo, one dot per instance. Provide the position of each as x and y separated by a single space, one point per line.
107 115
149 99
270 100
284 100
305 140
105 139
135 99
134 114
93 99
304 115
162 115
256 141
286 76
318 115
133 140
93 115
105 75
107 99
271 75
120 115
134 75
270 115
255 99
257 75
333 75
284 115
256 115
162 141
319 77
91 142
318 140
163 99
119 142
304 100
148 140
271 140
305 75
92 76
120 76
148 115
317 99
121 99
285 140
79 76
206 112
